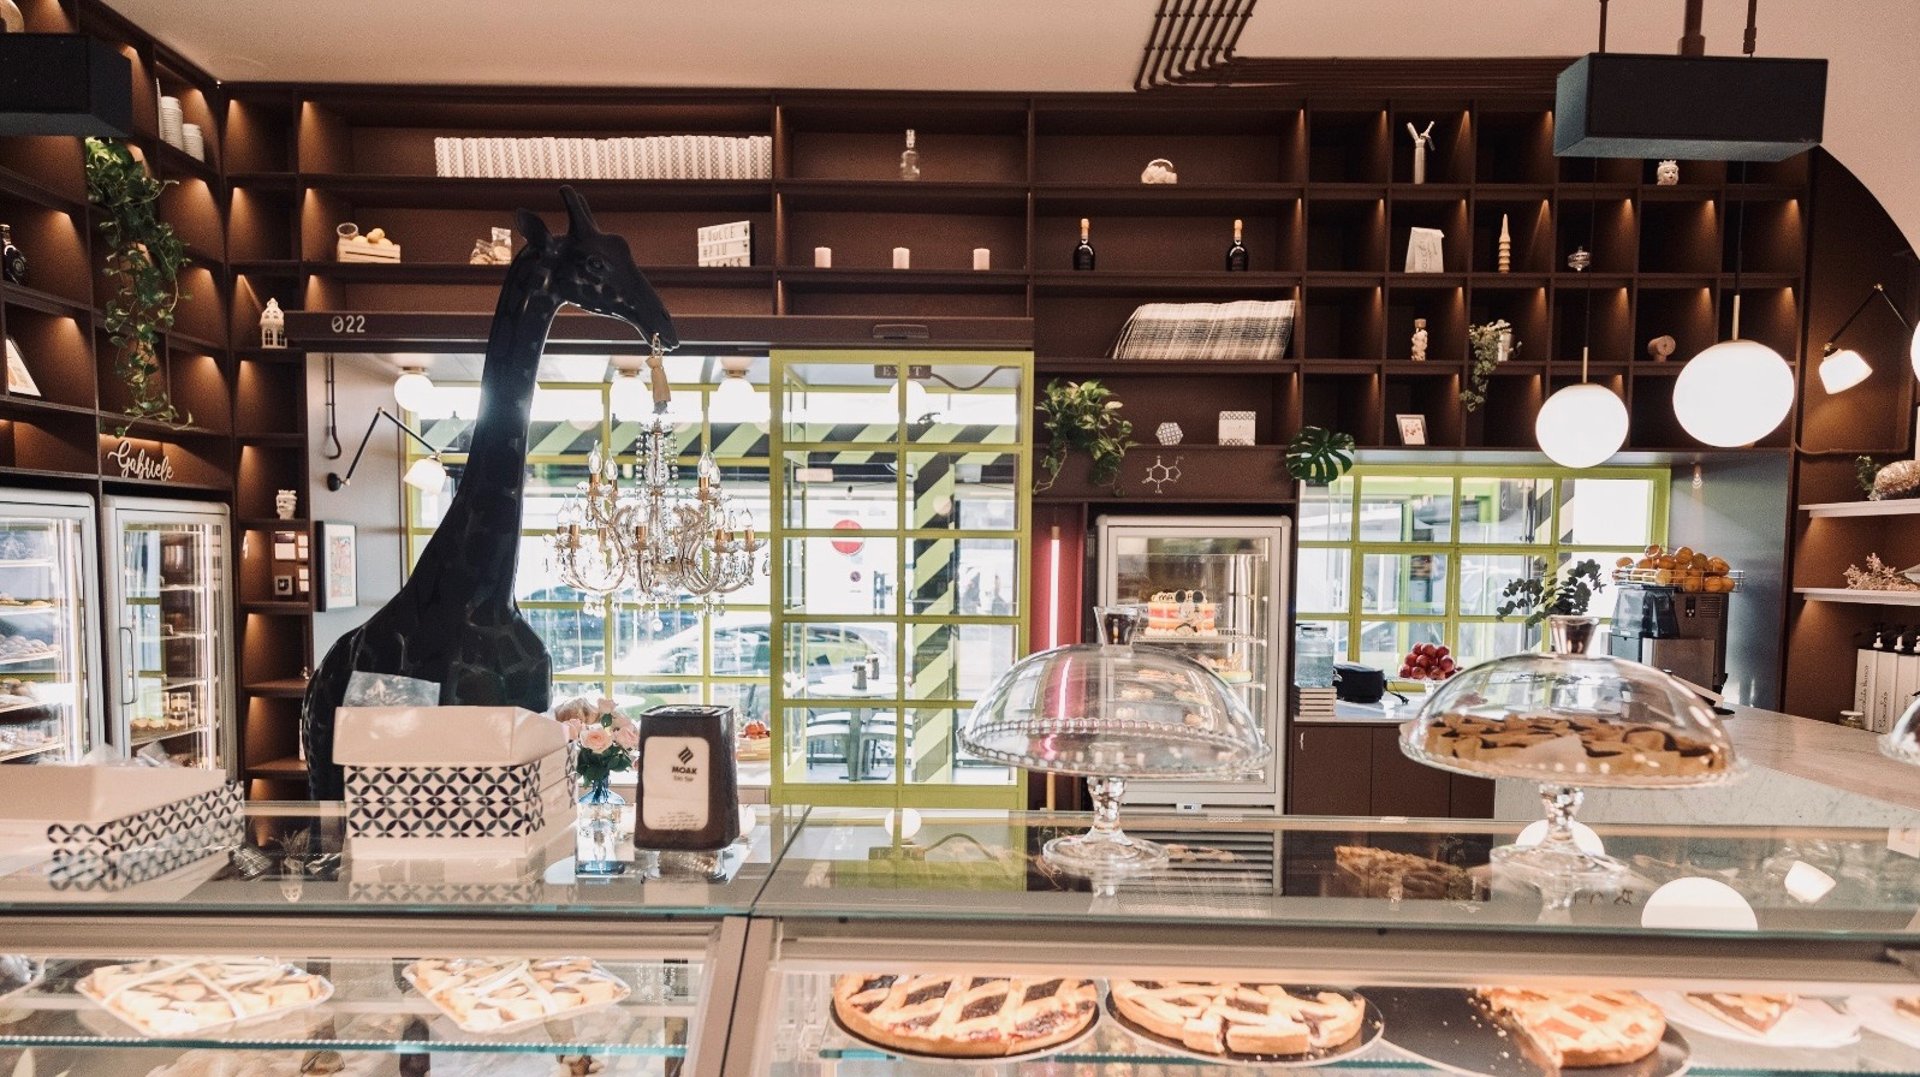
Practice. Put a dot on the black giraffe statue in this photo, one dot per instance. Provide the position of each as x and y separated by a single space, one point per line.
455 621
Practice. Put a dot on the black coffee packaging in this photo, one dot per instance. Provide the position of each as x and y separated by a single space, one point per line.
689 785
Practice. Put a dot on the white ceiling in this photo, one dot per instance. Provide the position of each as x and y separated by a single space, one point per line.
1022 45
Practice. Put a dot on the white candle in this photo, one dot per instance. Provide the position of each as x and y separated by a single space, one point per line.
823 258
982 258
902 257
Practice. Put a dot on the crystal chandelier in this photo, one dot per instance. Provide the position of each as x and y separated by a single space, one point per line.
656 540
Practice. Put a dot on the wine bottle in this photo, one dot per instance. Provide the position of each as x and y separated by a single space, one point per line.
13 263
1237 253
1083 254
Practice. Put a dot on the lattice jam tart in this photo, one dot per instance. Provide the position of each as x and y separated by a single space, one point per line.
964 1016
1563 745
1242 1018
171 996
1748 1012
503 995
1575 1029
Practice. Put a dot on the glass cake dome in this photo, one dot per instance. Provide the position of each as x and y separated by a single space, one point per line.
1570 721
1903 742
1112 713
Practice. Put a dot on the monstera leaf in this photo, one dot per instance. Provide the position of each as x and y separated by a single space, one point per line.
1318 456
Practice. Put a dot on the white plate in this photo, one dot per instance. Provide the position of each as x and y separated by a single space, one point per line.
1877 1013
1811 1023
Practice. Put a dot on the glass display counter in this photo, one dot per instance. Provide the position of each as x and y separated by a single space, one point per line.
907 941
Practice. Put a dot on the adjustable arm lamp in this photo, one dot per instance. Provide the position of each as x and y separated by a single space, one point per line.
1843 368
425 475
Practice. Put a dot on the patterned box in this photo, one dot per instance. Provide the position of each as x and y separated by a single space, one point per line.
1236 427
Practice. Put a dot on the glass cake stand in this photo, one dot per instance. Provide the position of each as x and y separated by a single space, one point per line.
1570 722
1112 713
1903 741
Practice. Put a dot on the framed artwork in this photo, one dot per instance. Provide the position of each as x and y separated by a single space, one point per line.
339 566
19 378
283 586
1413 429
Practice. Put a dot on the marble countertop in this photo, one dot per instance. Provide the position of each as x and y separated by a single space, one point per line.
1823 752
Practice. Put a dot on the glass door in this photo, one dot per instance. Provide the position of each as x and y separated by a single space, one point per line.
171 635
45 661
1211 591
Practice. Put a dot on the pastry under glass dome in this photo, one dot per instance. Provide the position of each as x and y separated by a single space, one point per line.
1903 741
1112 713
1570 722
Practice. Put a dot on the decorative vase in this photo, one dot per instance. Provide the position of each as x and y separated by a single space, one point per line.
1569 633
597 844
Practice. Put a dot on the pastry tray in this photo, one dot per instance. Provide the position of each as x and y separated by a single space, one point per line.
507 970
972 1061
87 989
1444 1028
1372 1026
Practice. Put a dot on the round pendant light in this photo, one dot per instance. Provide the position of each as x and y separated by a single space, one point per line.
1734 393
736 400
413 390
1581 425
631 398
1913 350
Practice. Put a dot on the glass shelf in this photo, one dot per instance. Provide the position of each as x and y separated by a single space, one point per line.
373 1009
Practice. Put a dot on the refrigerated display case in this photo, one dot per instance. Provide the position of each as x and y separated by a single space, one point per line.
1233 571
169 630
49 639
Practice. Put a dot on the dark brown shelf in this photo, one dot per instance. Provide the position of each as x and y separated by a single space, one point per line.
20 295
19 186
954 281
436 192
285 688
874 196
294 440
463 273
1166 199
1107 367
278 609
274 523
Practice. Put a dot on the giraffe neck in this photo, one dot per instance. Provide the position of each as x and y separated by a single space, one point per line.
481 530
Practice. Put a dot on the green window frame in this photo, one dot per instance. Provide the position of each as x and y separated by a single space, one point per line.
1439 617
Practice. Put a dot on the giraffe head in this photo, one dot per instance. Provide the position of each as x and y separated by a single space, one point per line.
594 270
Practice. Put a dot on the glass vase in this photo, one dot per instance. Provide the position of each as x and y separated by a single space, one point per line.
597 822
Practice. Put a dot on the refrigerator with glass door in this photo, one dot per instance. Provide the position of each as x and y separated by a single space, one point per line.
168 631
50 703
1219 588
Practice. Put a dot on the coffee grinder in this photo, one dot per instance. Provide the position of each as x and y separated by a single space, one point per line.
1682 632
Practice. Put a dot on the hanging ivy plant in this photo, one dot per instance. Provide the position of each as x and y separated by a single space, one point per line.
1486 342
143 260
1318 456
1082 415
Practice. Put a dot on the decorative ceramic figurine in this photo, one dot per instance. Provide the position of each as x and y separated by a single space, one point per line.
1159 170
1506 247
1168 433
1661 348
1422 142
273 326
454 622
1579 260
1419 340
285 502
910 159
1667 174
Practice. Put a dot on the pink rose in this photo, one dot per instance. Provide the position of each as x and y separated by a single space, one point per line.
574 727
624 724
628 738
596 739
603 705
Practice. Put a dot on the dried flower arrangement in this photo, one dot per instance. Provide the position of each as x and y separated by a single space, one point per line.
1878 576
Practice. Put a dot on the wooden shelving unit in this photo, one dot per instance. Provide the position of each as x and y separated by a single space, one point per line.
1869 598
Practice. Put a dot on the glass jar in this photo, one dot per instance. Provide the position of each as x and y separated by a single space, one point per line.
1313 656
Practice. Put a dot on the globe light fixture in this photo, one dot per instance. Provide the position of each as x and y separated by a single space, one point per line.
630 398
1581 425
1734 393
413 390
735 400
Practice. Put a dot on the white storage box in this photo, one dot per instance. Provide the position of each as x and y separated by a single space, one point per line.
347 250
103 812
444 736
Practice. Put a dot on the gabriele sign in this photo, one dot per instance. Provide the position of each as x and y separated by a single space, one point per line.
130 459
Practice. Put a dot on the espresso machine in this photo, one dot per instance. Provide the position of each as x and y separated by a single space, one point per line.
1684 633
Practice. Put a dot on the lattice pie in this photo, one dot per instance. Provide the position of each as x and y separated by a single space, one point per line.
1253 1019
499 995
964 1016
1382 873
1753 1013
1578 1028
1573 746
180 995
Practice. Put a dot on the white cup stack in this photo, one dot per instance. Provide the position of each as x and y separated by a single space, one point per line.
170 125
192 141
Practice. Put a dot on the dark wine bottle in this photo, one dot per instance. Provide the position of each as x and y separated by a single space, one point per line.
1083 254
13 263
1237 253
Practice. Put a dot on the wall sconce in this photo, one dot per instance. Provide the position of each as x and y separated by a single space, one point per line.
426 475
1843 368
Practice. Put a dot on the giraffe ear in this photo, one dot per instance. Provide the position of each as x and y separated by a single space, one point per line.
535 229
579 218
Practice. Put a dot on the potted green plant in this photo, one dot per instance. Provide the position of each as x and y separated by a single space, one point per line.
1318 456
1082 416
1559 599
1492 344
143 260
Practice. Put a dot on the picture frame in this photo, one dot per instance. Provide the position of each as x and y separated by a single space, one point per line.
339 566
283 586
19 378
284 549
1413 429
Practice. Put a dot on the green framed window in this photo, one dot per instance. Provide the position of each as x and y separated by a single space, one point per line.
901 482
641 657
1394 556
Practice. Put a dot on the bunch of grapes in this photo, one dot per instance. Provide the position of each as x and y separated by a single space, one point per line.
1427 662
